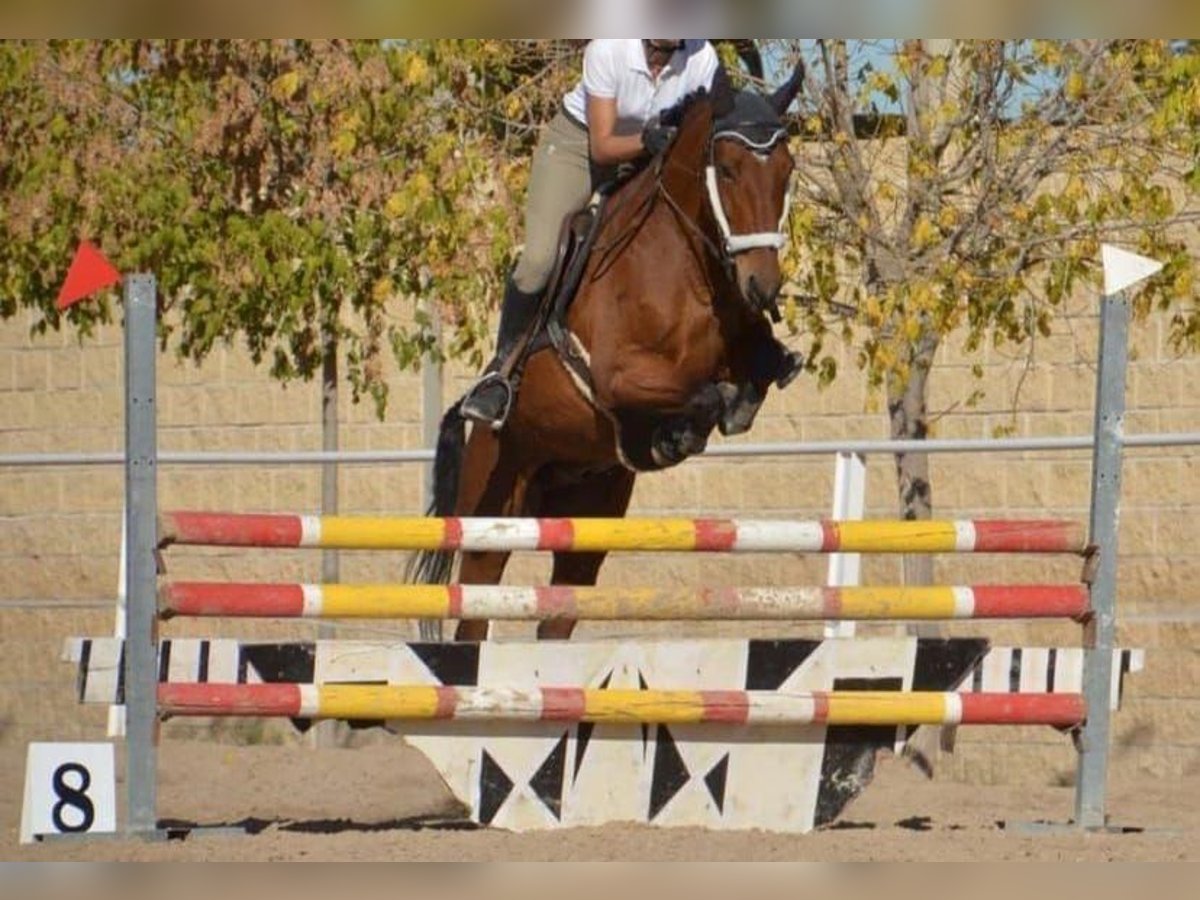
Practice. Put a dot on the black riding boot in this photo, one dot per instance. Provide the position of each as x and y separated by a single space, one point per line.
490 399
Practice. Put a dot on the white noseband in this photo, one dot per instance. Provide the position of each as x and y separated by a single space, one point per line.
739 243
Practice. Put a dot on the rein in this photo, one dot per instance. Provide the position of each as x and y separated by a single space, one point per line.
720 256
730 244
619 241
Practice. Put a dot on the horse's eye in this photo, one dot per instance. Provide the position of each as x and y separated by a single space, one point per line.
725 171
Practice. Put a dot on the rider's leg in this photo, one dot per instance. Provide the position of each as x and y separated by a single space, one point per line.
560 183
489 399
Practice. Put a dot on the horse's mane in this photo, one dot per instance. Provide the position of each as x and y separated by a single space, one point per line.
632 197
721 95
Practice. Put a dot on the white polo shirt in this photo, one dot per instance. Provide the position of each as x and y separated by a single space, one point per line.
617 68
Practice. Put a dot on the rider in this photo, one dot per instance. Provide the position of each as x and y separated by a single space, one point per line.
611 117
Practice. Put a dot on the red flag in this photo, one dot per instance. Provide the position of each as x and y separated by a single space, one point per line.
89 272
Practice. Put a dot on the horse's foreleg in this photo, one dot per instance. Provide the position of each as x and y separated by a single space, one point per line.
603 495
763 361
479 568
493 484
686 434
742 401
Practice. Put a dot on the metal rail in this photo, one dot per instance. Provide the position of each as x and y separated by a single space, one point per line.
784 448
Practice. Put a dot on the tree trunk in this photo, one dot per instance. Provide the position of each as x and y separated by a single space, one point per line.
908 410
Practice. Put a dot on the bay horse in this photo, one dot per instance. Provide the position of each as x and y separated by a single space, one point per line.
669 333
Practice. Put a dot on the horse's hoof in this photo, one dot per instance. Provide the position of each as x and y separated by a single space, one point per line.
692 444
666 456
671 451
736 422
790 366
729 392
739 409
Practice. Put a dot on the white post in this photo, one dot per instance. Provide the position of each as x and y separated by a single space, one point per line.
849 502
116 712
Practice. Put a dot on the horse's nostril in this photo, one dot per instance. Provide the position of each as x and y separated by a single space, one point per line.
757 294
755 290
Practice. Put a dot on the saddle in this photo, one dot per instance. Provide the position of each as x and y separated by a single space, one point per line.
548 328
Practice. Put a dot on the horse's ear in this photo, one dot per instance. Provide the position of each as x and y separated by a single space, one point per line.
722 93
783 97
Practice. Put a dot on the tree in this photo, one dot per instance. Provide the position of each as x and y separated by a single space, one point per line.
313 200
294 196
967 184
304 197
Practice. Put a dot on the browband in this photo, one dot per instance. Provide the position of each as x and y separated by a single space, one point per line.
733 134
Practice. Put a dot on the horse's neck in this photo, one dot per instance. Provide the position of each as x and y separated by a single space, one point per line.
664 207
680 173
683 169
685 204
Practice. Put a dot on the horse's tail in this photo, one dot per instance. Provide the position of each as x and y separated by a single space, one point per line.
435 566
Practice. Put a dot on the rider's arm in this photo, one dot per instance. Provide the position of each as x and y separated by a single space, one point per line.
608 148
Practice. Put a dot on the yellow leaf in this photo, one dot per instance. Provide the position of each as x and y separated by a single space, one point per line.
420 187
948 217
1075 86
396 205
343 143
922 296
285 86
1183 283
416 70
924 233
1048 52
382 290
880 81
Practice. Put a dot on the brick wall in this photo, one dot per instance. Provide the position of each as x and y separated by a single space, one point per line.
60 528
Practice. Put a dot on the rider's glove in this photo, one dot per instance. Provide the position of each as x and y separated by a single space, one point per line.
657 137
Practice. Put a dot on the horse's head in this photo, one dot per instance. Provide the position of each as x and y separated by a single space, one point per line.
748 181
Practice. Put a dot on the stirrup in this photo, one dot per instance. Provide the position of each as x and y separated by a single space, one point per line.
494 422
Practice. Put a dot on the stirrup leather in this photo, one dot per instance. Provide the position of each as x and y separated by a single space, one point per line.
506 407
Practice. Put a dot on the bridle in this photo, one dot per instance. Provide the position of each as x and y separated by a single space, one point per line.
732 244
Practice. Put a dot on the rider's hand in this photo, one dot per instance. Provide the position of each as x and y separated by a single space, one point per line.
657 137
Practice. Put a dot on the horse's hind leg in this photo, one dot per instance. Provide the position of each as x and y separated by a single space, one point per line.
492 485
603 495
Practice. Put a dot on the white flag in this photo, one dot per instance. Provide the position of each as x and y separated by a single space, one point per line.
1122 268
